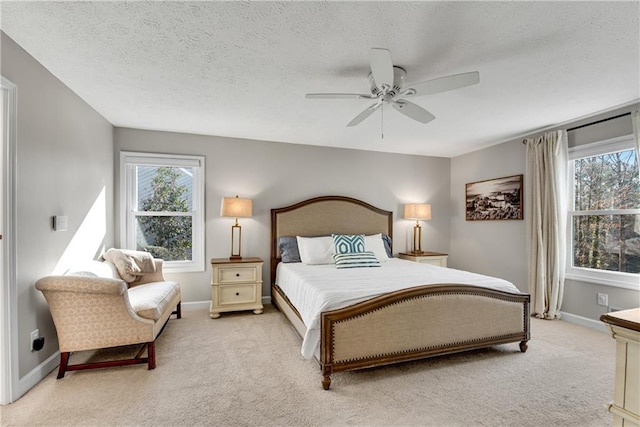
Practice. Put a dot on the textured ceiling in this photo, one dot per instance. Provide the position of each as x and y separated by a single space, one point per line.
241 69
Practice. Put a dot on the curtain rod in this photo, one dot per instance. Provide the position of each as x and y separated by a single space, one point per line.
599 121
595 123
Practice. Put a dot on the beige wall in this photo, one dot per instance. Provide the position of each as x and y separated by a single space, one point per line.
276 174
65 167
495 248
498 248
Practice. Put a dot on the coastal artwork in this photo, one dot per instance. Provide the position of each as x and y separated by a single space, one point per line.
494 199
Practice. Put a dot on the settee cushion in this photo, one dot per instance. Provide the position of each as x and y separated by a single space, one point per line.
152 300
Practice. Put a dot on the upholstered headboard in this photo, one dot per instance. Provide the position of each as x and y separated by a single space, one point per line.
326 215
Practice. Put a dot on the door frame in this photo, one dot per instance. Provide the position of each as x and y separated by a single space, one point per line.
8 276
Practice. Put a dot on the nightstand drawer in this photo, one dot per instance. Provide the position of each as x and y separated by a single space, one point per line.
237 274
237 294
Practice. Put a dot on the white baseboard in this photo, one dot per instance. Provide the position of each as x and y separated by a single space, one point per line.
196 305
36 375
584 321
201 305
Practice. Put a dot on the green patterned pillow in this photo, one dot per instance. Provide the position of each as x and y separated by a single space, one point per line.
348 243
356 260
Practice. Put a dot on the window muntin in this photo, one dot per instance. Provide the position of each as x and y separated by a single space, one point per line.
604 231
163 208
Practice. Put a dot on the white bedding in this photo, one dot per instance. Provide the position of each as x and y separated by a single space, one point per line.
313 289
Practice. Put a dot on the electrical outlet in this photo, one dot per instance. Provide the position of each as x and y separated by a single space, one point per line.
34 336
603 299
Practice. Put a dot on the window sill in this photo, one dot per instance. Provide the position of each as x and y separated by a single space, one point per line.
620 280
182 267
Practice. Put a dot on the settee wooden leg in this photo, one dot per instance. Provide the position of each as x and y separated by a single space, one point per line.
151 355
64 361
179 310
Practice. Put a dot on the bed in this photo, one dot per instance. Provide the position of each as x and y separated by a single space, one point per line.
449 311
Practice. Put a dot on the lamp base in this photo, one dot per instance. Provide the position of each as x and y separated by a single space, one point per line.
416 253
236 241
417 239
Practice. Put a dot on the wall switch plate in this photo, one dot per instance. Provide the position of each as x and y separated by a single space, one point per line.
603 299
34 336
60 223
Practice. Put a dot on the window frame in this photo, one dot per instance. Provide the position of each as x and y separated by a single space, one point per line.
128 199
602 277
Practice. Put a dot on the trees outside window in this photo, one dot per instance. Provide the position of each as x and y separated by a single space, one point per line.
165 219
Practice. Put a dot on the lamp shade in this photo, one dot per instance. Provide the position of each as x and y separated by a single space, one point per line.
236 207
417 211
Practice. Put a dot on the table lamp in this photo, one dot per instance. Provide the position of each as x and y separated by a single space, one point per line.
235 207
417 211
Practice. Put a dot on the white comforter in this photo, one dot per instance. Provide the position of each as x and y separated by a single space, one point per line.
313 289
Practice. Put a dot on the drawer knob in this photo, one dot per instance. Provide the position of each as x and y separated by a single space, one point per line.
237 274
237 293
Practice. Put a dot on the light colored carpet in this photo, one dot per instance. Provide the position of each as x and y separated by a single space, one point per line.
246 370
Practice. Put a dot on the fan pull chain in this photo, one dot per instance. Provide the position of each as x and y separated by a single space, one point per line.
382 121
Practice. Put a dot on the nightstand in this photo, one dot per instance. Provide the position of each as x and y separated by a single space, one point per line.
433 258
625 328
236 285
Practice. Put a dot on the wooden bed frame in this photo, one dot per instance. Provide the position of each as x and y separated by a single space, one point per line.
405 325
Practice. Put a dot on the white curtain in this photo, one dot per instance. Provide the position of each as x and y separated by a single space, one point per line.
546 217
635 122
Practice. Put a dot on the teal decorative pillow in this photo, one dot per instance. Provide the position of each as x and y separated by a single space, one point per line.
348 243
356 260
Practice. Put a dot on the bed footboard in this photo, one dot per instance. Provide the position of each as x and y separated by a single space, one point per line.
420 322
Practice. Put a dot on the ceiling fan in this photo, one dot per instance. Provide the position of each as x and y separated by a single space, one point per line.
387 87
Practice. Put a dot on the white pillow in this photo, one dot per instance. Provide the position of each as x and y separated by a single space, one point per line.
375 244
316 250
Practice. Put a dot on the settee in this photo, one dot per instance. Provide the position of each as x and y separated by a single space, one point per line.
93 307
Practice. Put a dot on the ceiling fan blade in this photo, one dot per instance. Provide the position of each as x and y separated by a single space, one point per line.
413 111
444 84
338 96
366 113
381 67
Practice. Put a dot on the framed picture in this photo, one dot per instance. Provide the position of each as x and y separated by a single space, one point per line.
494 199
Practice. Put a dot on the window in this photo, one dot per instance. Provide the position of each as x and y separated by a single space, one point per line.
162 208
604 216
